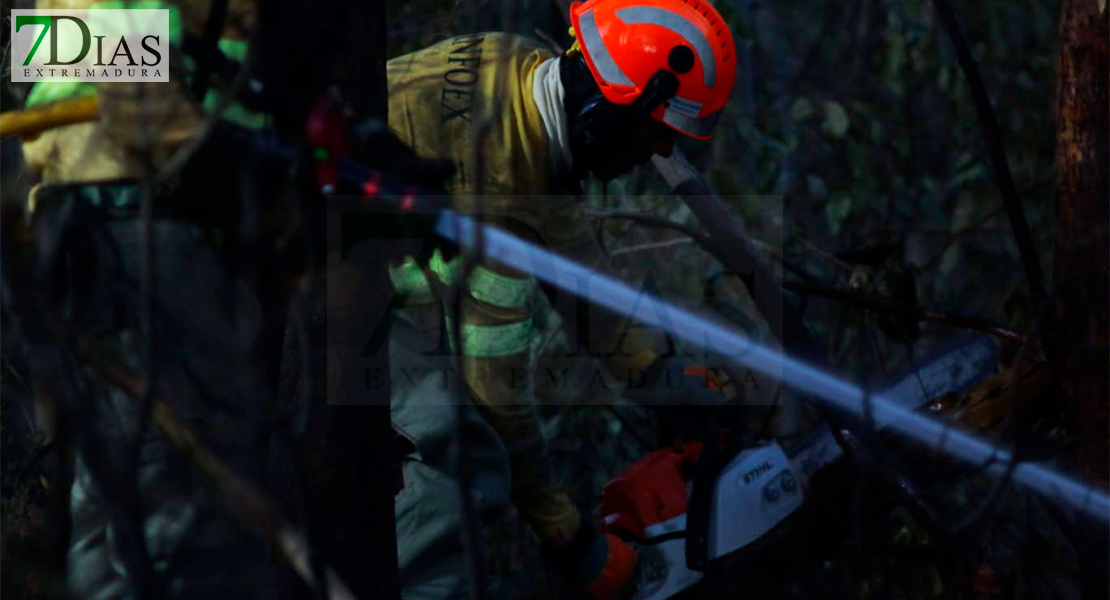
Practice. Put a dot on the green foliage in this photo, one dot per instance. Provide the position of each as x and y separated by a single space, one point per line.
851 126
836 120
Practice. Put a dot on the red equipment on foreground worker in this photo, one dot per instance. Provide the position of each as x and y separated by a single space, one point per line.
640 73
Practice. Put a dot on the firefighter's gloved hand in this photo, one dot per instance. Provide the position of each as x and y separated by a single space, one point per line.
673 381
602 565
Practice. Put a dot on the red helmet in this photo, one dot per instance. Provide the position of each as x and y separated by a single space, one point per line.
626 42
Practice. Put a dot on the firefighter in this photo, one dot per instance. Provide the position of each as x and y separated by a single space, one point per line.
212 354
640 73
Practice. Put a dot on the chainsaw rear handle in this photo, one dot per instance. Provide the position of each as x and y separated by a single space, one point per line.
717 453
680 480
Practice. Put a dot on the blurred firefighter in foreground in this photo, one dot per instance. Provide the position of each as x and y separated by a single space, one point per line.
640 73
216 333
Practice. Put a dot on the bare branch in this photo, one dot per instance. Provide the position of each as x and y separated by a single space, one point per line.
993 134
247 502
918 312
679 241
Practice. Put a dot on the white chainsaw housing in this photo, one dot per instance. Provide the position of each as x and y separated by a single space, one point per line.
662 570
753 493
756 491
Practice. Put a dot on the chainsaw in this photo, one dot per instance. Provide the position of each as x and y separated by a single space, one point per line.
682 516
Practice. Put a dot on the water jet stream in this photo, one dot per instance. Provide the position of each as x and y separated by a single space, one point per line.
835 392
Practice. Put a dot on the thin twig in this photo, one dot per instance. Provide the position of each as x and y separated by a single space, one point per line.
40 453
460 465
58 380
183 154
703 240
878 304
696 234
955 237
825 255
977 514
869 325
247 502
678 241
1005 180
910 310
942 230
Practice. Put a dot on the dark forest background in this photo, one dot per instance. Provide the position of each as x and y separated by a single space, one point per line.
854 155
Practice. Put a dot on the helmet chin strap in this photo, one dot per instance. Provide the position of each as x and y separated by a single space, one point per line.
659 89
598 127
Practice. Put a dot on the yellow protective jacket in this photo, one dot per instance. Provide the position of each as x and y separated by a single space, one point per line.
141 125
442 100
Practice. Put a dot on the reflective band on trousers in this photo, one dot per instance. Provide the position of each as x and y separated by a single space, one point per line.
485 286
651 15
486 341
500 290
702 126
603 61
409 279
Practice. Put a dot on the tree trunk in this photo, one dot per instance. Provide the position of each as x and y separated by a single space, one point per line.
350 471
1081 276
1082 250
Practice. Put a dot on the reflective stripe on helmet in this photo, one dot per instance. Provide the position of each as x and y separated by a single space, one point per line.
650 15
603 61
699 126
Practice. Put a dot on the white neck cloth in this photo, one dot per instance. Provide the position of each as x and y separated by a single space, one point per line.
547 91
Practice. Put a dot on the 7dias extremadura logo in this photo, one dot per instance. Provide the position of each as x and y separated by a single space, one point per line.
96 45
